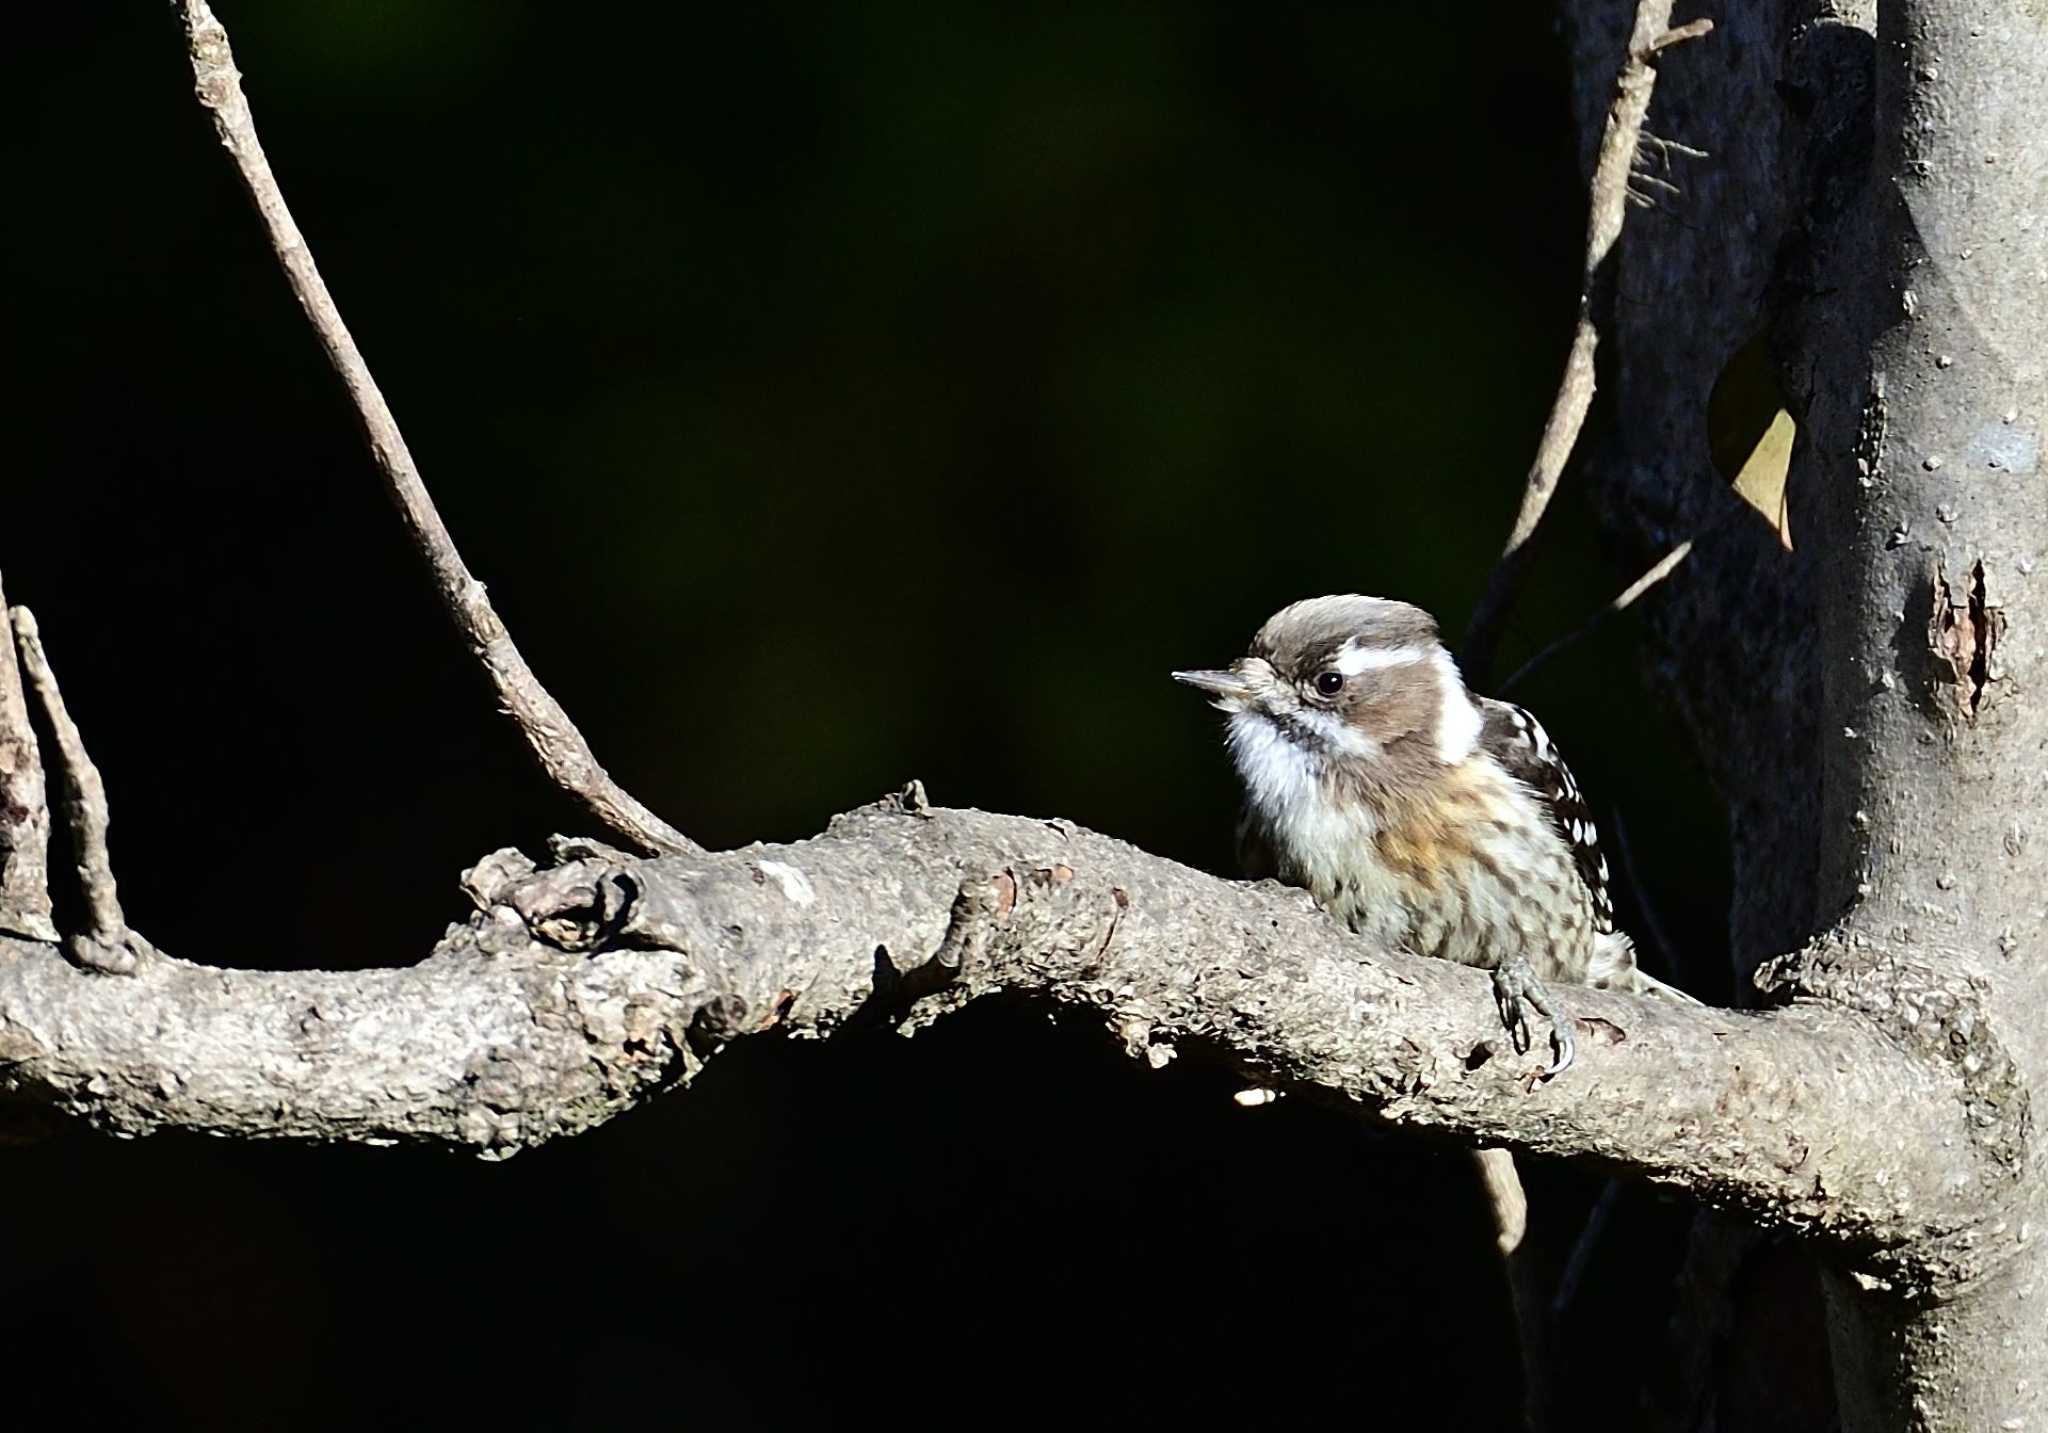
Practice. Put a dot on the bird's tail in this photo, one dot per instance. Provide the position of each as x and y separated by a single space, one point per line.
1613 967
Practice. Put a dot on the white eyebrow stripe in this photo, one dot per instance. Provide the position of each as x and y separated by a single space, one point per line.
1353 659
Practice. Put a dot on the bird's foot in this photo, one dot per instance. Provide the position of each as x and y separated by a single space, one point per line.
1517 991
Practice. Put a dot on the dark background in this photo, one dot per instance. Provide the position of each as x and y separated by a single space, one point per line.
829 397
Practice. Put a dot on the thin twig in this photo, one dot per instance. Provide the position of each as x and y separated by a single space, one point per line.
1508 1207
1690 30
106 943
1667 147
1663 568
1610 195
559 746
24 808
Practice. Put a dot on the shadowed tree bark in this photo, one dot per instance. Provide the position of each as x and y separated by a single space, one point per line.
1871 209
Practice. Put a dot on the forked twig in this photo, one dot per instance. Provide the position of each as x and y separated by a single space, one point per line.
560 747
1608 207
106 943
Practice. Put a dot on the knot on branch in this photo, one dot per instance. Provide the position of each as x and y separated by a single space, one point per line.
578 905
120 952
1040 923
1925 1009
719 1020
1042 915
981 904
904 990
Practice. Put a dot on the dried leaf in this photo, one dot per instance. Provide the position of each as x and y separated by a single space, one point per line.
1751 434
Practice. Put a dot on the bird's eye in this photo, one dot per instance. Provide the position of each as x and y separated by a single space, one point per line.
1329 683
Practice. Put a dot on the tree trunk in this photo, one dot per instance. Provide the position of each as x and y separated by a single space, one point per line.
1874 210
1933 741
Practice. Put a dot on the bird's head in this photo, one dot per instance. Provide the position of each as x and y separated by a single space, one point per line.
1348 682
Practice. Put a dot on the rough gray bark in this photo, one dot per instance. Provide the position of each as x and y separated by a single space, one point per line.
1873 207
579 990
1934 656
24 810
104 940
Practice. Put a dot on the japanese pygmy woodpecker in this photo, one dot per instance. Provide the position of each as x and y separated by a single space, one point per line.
1420 815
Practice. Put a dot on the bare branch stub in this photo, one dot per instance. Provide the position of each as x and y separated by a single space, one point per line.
106 943
1690 30
557 743
24 807
1606 210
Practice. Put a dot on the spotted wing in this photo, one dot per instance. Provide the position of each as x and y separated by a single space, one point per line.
1518 742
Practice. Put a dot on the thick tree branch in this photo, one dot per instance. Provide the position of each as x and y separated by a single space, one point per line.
557 743
580 990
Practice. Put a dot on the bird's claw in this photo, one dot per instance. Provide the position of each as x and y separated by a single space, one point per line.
1516 991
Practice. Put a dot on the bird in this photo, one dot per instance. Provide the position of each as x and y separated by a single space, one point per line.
1419 814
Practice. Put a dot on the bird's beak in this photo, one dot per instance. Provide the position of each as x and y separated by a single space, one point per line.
1226 691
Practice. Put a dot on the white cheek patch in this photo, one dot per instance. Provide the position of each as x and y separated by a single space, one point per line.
1457 726
1353 658
1277 774
1315 837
